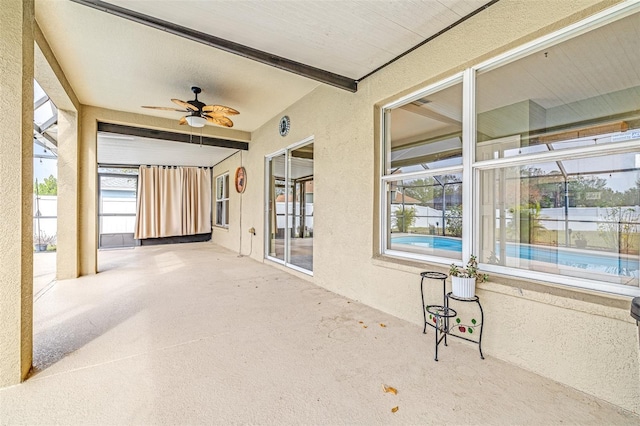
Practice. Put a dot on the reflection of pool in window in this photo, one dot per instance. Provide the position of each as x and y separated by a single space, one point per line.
430 241
601 262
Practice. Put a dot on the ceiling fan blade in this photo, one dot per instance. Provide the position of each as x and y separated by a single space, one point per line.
184 104
182 121
220 109
220 121
164 108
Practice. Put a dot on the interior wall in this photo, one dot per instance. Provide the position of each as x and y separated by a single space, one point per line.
230 237
528 324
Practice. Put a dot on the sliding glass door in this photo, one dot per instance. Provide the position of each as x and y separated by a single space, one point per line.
289 210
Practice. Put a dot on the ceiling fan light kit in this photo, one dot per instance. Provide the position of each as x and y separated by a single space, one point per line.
195 121
201 113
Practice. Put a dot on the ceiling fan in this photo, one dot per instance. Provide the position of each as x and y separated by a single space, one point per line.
199 113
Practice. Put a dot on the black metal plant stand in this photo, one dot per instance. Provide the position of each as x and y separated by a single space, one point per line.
441 314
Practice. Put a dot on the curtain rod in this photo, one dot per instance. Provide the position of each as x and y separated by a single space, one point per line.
175 167
136 166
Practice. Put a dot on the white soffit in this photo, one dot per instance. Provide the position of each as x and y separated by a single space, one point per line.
131 150
349 38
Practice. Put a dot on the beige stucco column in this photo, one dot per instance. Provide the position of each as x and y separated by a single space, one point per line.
88 191
16 189
67 262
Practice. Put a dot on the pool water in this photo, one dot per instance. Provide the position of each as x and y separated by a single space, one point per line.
601 262
430 241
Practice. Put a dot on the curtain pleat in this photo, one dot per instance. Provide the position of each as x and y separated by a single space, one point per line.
173 202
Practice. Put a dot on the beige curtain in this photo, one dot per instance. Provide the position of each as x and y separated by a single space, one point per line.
173 202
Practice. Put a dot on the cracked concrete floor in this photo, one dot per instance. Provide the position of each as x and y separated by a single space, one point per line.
193 334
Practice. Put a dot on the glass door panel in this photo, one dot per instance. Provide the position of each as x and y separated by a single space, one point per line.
301 207
277 213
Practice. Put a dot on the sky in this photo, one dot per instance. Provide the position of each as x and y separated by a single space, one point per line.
43 167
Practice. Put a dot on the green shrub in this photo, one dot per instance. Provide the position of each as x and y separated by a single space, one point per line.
403 219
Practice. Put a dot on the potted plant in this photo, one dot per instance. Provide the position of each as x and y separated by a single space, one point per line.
42 240
581 241
463 280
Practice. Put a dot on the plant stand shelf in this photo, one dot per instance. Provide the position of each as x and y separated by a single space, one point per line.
441 315
432 276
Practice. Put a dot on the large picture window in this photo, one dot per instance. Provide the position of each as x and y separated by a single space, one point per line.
550 145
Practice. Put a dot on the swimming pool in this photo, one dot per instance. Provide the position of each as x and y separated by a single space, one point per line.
430 241
602 262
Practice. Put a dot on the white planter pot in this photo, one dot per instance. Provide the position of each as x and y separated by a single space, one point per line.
463 287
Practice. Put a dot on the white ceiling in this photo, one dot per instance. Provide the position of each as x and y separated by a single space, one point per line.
349 38
115 63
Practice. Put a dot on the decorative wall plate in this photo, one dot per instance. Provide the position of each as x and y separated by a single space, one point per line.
284 126
241 179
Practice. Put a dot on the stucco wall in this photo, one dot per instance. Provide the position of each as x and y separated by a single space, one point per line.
16 174
587 341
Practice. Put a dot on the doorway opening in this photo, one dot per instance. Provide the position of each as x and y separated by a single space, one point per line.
289 210
117 189
45 190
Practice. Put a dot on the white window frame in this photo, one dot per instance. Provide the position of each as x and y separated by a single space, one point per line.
471 169
385 178
224 221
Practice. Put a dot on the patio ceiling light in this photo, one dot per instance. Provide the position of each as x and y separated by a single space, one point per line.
196 121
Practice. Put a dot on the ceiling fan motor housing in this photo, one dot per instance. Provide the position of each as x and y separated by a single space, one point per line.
196 103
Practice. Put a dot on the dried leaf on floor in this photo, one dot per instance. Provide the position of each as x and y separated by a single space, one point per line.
389 389
364 326
360 322
394 409
382 325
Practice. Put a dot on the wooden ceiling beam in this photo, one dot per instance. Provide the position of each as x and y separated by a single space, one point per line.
170 136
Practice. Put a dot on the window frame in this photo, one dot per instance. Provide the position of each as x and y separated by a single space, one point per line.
224 221
386 178
471 169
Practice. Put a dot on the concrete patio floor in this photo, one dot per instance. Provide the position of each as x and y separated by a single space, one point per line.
194 334
44 272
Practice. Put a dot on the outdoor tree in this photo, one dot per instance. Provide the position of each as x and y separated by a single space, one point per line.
429 190
590 191
454 220
48 187
421 189
619 229
404 218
